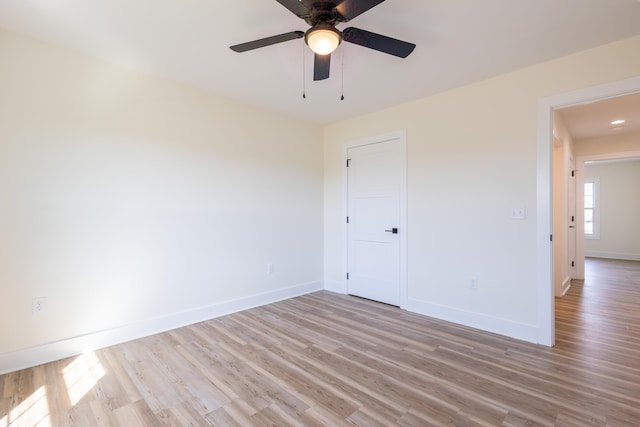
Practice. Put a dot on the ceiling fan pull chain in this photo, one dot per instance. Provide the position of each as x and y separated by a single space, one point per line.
342 76
304 79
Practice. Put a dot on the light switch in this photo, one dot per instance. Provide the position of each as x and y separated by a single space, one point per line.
518 213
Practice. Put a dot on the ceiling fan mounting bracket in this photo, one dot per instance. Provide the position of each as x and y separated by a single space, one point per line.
323 13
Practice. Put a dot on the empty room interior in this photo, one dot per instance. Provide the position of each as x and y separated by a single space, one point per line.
206 220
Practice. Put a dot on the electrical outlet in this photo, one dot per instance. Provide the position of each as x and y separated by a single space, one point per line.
38 305
473 284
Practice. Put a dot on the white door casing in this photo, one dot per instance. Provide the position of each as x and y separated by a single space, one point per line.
376 212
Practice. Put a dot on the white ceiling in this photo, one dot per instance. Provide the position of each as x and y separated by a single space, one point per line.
594 119
458 42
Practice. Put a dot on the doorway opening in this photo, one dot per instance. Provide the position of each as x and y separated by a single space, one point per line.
608 173
545 206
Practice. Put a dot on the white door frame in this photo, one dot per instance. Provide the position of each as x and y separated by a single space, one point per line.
402 225
544 279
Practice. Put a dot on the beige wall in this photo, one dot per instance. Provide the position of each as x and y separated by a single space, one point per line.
472 155
619 209
607 145
125 197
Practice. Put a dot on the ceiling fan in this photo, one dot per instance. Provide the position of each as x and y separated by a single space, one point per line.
323 37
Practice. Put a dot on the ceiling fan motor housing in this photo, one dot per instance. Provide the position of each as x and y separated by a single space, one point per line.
323 12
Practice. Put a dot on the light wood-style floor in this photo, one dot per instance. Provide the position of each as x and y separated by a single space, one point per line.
328 359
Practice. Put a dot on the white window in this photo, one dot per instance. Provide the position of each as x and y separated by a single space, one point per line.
592 208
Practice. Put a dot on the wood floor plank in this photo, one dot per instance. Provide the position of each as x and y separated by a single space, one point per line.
325 359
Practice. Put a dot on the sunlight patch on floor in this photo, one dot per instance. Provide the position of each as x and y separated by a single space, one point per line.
82 375
32 412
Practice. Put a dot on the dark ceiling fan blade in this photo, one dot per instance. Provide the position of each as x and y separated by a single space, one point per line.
321 66
267 41
296 7
349 9
378 42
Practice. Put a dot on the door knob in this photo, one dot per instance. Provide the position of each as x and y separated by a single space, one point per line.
394 230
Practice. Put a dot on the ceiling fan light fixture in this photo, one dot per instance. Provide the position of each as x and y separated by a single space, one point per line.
323 39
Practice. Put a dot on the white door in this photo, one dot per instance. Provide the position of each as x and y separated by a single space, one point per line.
373 228
572 219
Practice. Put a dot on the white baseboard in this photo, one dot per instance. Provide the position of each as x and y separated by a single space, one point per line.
44 353
613 255
521 331
335 286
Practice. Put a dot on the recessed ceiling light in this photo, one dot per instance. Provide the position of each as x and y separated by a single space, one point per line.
617 122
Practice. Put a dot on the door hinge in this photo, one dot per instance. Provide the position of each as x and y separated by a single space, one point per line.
348 160
573 218
573 264
573 173
551 237
347 276
347 220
